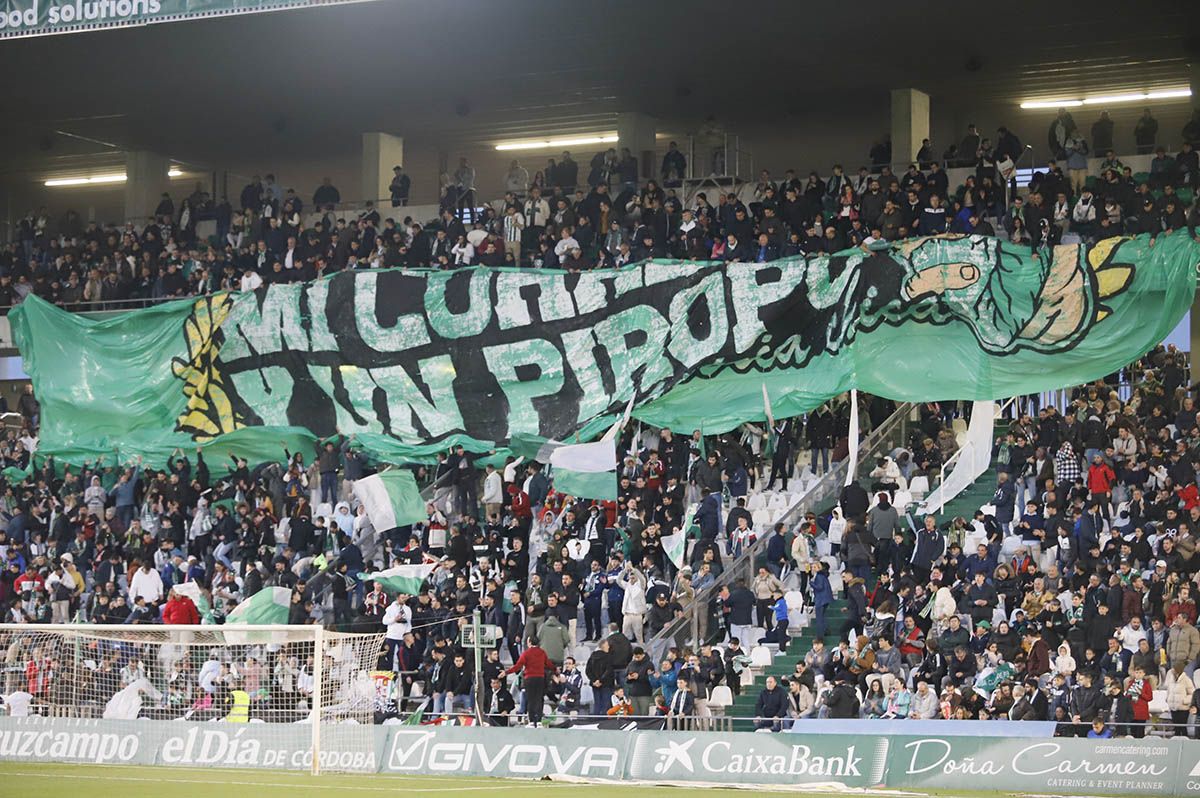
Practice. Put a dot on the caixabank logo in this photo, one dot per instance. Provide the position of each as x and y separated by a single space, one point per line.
752 758
424 751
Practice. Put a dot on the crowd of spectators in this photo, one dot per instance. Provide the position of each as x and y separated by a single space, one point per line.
603 215
1070 598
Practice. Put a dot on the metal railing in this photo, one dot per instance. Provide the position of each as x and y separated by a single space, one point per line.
890 433
709 721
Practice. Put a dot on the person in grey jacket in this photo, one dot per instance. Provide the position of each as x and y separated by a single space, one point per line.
883 521
924 704
887 657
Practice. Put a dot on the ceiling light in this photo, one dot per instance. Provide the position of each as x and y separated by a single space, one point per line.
61 182
1169 94
1106 99
580 141
85 181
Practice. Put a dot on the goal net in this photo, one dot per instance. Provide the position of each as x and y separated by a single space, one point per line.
309 686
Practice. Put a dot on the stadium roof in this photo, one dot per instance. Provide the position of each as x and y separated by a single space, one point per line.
294 83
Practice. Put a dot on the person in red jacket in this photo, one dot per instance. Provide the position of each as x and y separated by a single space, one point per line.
30 580
519 502
537 667
1100 478
179 609
1139 692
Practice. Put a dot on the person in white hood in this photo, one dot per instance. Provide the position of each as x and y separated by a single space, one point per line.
837 528
146 583
1064 663
343 519
886 475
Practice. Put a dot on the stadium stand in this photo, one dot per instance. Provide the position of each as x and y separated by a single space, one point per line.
1060 587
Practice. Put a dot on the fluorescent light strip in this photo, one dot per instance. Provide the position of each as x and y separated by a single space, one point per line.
1166 94
541 145
63 182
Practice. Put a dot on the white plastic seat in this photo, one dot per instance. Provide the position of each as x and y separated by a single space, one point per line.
761 518
720 700
778 501
1158 703
918 487
747 678
756 632
586 695
760 657
757 501
959 426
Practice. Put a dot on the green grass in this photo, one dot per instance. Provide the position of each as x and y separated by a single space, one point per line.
124 781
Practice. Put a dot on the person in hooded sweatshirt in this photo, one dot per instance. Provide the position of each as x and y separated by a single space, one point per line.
343 518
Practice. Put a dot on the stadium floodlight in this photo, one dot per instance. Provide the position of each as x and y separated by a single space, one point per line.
578 141
63 182
1109 99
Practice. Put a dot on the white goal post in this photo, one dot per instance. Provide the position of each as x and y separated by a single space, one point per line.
269 674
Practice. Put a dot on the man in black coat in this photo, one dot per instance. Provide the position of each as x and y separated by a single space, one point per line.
498 703
1087 701
842 701
854 501
771 706
599 673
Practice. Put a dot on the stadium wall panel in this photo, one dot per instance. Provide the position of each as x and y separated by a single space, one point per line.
1039 765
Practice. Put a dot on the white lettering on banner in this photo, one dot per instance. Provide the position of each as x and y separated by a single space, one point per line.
1039 759
68 746
717 757
941 759
212 747
225 746
419 751
95 10
1046 760
363 761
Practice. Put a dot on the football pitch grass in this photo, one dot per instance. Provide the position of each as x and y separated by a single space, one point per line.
128 781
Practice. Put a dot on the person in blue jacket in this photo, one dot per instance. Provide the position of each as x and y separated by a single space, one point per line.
822 598
1004 500
780 632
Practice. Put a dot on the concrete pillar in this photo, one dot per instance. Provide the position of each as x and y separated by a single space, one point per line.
145 181
381 153
637 132
910 124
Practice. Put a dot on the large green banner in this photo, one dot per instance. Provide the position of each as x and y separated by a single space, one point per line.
412 361
44 17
